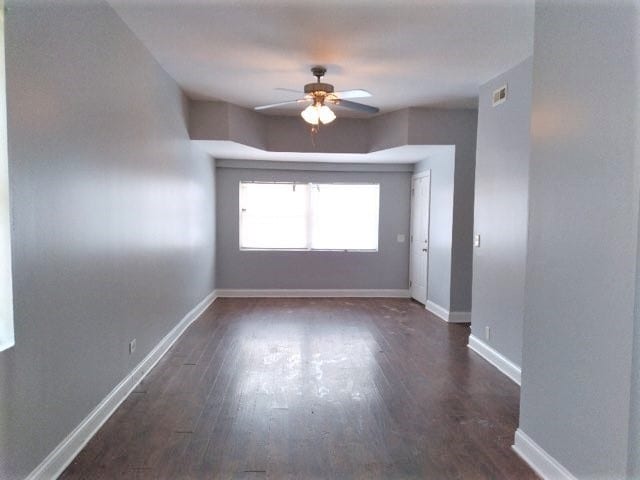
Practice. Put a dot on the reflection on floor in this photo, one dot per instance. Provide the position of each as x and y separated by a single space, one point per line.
313 388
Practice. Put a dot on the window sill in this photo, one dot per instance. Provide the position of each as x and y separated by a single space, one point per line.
6 345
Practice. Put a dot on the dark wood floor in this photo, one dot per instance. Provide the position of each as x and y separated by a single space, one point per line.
313 388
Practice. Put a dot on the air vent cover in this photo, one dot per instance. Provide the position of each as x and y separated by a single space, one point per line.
499 95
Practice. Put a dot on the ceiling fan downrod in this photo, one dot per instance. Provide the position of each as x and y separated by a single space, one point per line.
318 88
318 71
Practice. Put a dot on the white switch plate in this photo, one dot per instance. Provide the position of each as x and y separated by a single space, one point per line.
487 332
476 240
132 346
401 238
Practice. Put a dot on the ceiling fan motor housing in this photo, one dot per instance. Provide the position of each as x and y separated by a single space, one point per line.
318 87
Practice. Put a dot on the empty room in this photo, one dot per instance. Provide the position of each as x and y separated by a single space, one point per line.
291 239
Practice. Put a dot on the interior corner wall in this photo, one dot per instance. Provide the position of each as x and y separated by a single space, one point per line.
501 212
112 216
442 168
389 130
453 186
458 128
463 207
583 235
388 268
209 120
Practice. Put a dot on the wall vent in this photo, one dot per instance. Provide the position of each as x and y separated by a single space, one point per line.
499 95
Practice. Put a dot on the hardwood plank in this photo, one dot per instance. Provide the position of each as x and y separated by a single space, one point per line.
313 388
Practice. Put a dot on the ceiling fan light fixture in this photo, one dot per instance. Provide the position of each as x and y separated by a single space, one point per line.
318 113
326 114
319 94
311 115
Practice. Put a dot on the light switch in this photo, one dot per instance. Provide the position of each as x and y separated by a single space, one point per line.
476 240
400 238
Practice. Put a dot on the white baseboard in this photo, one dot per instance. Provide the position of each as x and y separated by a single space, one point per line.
544 464
55 463
283 292
495 358
446 315
437 310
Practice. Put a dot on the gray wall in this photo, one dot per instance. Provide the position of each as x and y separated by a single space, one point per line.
463 206
276 133
290 134
582 244
386 269
501 212
442 168
389 130
459 128
113 218
634 424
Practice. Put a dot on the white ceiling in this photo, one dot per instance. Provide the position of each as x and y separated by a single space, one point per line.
406 53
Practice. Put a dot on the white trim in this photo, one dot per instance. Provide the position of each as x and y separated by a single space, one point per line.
55 463
544 464
446 315
495 358
7 337
437 310
284 292
306 165
421 174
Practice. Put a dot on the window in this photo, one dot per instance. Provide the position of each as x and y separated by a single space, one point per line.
309 216
6 291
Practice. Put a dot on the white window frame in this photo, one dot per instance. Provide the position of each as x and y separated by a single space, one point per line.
309 226
7 339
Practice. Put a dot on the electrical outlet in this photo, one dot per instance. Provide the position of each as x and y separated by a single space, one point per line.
487 332
476 240
400 238
132 346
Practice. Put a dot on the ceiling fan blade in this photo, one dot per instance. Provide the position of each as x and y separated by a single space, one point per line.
272 105
288 90
360 107
353 94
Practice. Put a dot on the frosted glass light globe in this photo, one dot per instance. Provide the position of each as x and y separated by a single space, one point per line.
311 115
326 115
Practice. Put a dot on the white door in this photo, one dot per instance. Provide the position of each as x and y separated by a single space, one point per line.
419 238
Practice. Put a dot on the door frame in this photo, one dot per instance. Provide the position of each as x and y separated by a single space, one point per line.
424 173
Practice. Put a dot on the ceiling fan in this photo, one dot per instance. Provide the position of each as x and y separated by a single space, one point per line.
320 95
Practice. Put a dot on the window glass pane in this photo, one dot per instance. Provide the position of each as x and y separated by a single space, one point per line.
344 217
6 290
273 215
